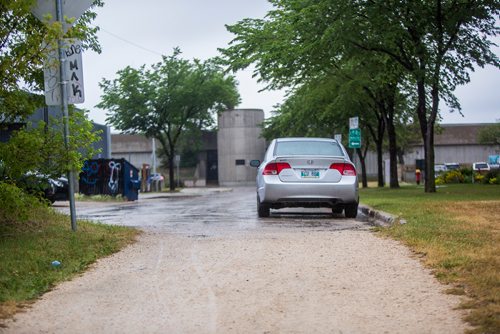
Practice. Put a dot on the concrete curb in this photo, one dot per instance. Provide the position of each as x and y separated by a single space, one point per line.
380 218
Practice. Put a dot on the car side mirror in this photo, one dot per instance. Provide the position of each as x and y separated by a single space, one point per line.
255 163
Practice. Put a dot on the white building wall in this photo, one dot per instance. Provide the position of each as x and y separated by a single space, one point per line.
465 155
239 141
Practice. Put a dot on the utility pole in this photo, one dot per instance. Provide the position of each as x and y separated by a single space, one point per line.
57 9
64 106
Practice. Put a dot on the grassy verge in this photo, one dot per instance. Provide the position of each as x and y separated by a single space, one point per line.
100 198
28 249
457 232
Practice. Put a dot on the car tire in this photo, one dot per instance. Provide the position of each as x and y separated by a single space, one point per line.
337 210
351 210
263 210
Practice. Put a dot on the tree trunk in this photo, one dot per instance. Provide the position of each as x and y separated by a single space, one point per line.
378 137
393 148
171 175
401 156
427 131
380 163
364 179
171 167
430 182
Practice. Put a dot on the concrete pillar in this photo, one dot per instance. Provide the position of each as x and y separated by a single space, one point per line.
239 141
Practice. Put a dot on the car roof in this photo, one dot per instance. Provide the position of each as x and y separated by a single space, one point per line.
305 139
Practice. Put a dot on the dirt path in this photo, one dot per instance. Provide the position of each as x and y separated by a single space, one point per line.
275 281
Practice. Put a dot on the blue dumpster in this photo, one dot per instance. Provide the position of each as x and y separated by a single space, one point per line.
110 177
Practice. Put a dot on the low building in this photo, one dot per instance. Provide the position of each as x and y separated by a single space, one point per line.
136 149
239 141
45 114
223 159
457 143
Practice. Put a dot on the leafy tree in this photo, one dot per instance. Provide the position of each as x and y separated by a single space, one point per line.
22 53
172 96
321 108
490 134
435 43
288 49
42 149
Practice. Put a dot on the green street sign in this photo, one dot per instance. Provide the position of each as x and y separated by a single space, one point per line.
355 138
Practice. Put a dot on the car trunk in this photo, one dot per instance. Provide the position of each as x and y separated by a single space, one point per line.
310 169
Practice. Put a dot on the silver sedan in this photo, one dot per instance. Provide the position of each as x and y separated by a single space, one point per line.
306 172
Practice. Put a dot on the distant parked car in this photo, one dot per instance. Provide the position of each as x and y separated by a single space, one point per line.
52 189
440 168
452 166
155 177
306 172
481 167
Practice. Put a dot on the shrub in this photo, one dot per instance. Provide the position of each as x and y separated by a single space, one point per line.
479 178
492 175
454 176
466 172
468 179
440 180
16 205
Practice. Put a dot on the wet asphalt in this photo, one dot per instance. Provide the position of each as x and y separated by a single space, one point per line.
209 212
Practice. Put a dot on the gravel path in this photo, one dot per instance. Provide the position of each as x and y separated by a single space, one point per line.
272 281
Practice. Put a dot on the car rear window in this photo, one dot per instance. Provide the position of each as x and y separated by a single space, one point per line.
326 148
481 166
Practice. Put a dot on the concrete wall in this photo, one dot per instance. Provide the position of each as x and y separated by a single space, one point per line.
104 144
465 155
137 149
239 141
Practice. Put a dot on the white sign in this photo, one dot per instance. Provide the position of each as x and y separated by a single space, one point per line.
338 137
353 122
70 8
73 71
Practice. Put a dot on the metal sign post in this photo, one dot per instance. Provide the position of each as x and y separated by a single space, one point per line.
64 105
55 10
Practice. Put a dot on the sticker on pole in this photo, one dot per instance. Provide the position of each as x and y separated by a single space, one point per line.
73 74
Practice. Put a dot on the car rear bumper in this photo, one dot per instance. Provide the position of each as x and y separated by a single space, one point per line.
280 194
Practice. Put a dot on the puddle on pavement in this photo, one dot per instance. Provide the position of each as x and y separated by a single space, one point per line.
211 215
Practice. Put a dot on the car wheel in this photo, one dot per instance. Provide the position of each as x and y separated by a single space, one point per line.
337 210
262 209
351 210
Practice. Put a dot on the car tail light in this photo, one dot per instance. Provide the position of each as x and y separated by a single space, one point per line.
274 168
344 168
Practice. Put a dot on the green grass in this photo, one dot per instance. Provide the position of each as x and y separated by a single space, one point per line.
100 198
457 231
28 249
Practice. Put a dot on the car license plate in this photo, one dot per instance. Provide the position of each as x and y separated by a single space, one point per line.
309 173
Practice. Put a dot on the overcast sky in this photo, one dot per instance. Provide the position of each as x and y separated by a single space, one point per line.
138 32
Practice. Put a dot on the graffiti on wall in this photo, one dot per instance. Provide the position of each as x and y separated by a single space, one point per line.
101 176
114 176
